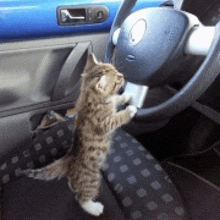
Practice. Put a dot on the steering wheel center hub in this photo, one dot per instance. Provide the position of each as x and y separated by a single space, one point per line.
149 40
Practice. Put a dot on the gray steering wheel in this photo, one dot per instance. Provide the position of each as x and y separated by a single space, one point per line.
150 56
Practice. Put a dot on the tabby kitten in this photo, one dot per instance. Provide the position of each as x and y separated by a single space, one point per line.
96 121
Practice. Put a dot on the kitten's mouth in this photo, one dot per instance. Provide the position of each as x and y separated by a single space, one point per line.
120 86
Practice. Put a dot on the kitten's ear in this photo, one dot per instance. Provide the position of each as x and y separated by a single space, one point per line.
101 85
91 61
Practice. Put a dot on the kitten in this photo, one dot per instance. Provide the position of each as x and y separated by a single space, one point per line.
96 122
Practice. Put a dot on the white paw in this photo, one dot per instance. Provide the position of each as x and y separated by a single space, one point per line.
93 208
132 110
126 97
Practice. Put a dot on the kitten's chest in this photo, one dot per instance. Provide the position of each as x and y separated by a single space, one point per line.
110 106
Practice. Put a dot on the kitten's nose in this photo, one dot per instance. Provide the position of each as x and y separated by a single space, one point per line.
120 76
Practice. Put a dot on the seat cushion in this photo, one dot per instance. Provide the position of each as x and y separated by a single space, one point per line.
29 199
141 186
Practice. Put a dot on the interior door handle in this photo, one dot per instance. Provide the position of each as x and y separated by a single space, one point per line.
82 14
60 90
66 15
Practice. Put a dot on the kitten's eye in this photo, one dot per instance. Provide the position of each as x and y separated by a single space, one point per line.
98 76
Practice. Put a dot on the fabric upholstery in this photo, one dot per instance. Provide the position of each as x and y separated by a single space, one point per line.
48 145
140 185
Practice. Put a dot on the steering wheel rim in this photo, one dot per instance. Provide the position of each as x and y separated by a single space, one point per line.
198 84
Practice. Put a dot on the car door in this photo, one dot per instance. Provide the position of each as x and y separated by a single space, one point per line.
43 49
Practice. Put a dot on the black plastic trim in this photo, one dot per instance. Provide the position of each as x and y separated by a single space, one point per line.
68 69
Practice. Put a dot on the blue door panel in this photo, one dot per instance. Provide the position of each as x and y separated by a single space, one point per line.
34 19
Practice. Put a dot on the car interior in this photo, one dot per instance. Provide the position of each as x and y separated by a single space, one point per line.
165 163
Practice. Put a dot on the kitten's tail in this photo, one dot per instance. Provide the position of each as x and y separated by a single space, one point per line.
55 170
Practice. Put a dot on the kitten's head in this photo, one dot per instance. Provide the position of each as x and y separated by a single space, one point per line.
102 78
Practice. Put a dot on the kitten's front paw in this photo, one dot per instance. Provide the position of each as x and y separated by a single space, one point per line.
126 97
93 208
132 110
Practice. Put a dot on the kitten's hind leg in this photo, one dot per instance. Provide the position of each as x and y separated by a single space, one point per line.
93 208
85 193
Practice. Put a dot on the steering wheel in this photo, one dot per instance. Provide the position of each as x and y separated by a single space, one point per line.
151 43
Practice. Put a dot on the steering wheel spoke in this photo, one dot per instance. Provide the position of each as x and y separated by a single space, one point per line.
137 93
200 40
